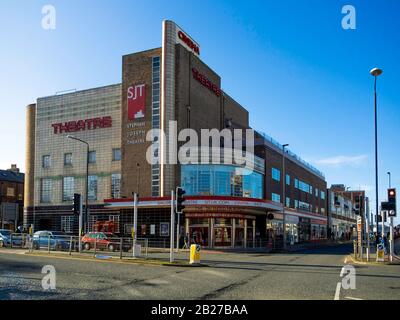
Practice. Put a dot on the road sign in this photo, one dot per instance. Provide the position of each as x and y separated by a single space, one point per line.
392 213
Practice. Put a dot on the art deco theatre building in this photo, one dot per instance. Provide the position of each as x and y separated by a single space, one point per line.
171 83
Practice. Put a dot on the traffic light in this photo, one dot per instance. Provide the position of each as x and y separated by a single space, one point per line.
392 195
392 202
77 203
358 205
180 200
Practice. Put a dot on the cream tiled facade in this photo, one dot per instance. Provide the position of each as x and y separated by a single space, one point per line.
88 104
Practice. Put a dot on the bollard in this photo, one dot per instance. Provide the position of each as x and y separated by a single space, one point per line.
48 244
70 246
11 242
120 249
95 247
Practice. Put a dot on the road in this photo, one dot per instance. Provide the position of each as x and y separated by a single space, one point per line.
302 275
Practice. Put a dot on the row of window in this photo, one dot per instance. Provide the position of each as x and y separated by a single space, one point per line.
304 206
221 180
68 158
68 188
155 168
67 223
298 184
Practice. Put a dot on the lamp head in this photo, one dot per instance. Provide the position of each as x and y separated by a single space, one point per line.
376 72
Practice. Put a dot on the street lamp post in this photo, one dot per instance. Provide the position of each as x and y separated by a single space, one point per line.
138 177
376 72
284 195
87 181
390 179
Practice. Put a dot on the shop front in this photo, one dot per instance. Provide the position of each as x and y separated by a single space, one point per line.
221 230
301 227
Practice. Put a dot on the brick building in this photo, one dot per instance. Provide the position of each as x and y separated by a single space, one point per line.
11 198
130 131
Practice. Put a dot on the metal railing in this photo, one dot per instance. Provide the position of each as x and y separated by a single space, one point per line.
113 247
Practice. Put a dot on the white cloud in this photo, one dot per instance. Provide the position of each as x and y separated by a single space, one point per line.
340 161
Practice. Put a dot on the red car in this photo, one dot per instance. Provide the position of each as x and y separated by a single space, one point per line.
104 241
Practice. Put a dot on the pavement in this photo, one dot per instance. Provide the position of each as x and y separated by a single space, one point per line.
304 275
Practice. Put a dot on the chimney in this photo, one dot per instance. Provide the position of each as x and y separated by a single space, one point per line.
14 168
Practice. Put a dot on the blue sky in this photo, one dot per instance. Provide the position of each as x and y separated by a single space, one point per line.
304 79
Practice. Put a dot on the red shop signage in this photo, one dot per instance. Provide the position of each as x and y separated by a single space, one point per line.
205 82
136 101
189 42
82 125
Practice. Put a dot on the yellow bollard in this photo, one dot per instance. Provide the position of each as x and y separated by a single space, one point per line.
195 254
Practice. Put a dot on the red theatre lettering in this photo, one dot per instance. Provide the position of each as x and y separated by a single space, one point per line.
189 42
82 125
207 83
136 101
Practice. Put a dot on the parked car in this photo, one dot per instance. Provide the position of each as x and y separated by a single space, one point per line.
57 240
104 241
7 235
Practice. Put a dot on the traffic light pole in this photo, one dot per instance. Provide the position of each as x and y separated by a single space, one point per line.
80 225
177 231
391 239
171 252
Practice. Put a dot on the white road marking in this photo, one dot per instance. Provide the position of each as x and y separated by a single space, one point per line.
351 298
337 292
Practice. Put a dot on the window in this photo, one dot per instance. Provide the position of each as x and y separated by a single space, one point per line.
220 180
67 224
68 159
92 222
316 192
288 202
304 187
68 188
45 190
304 206
92 156
322 195
311 190
296 204
116 155
10 192
164 229
155 177
92 188
115 219
116 185
296 183
276 174
276 197
46 161
288 180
